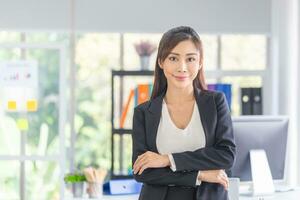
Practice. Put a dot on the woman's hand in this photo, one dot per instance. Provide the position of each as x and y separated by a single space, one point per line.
150 159
215 176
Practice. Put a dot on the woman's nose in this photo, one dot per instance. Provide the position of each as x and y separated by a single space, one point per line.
182 67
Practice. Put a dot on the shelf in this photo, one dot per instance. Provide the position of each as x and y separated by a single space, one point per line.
121 131
116 130
132 73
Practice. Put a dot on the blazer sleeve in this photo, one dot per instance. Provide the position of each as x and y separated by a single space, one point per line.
219 156
157 176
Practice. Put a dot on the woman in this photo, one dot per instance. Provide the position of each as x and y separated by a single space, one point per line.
182 137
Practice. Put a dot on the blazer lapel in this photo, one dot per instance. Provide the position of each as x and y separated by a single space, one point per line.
152 119
206 109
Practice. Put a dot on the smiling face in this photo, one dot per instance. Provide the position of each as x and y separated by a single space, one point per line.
182 65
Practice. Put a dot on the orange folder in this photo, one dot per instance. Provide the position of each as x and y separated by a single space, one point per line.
125 109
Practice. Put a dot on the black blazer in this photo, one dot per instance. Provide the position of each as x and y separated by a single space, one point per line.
218 153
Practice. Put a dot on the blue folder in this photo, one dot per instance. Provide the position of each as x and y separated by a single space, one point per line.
225 88
122 186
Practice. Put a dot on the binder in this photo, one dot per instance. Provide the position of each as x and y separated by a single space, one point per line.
211 87
251 100
122 186
142 93
226 89
246 99
222 87
125 109
256 101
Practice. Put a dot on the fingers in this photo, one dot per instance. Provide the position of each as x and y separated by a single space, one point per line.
137 163
223 172
215 176
149 159
140 164
138 159
223 180
223 183
145 166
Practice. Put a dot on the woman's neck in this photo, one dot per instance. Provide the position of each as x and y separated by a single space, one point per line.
179 96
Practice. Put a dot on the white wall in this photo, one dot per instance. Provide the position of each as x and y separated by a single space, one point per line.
213 16
34 14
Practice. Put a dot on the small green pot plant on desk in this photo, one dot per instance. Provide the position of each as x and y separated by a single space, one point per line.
76 180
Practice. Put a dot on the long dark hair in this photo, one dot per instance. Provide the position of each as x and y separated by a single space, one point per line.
168 41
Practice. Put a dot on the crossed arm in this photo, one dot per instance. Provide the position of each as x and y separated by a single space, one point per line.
219 156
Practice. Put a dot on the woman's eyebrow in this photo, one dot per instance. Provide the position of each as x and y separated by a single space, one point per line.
188 54
177 54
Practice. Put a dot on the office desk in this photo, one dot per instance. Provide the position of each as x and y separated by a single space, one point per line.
291 195
111 197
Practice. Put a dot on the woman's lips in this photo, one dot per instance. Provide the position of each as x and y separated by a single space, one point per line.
181 78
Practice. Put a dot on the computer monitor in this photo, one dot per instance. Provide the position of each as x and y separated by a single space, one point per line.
260 132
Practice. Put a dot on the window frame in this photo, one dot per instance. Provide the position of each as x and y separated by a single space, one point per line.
60 158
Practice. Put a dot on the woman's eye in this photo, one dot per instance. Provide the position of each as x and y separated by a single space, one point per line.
191 59
172 58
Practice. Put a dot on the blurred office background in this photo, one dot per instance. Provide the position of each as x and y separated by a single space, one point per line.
76 45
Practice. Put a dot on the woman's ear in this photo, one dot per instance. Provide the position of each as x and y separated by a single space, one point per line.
160 64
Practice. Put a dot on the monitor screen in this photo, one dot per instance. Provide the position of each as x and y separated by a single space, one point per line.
260 132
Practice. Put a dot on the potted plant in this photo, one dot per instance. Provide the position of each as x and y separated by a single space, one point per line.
144 49
76 180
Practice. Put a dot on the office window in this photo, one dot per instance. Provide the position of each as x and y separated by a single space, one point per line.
9 179
49 37
9 36
243 52
42 180
41 137
210 51
96 55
